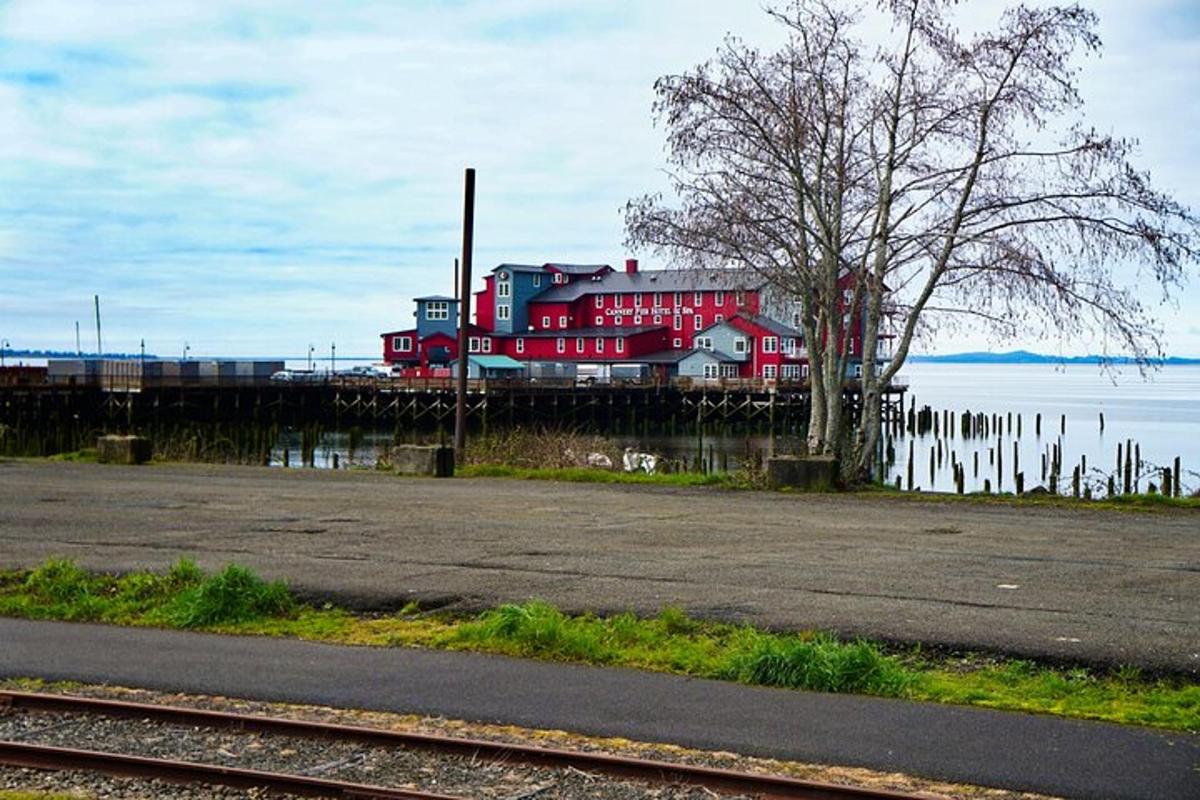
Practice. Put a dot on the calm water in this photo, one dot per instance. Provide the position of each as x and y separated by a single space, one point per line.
1161 414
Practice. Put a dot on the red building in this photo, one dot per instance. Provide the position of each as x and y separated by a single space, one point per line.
593 314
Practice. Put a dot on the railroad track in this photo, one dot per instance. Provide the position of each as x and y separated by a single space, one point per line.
22 754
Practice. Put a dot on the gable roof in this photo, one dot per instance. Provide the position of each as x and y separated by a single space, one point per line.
577 269
436 297
657 280
766 323
520 268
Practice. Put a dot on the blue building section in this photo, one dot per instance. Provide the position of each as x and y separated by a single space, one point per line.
516 285
437 314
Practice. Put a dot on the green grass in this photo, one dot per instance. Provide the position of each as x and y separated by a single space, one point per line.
13 794
235 600
590 475
88 455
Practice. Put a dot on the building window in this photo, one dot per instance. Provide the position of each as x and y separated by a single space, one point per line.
739 345
789 346
678 322
599 344
858 370
720 298
853 341
677 343
599 321
804 370
770 344
637 300
637 320
704 342
520 345
719 318
678 299
739 297
618 321
502 312
579 346
545 322
473 344
562 322
617 300
710 371
599 301
402 343
503 289
487 344
729 370
620 345
658 299
560 345
658 319
790 371
558 277
697 299
437 309
770 371
697 322
537 280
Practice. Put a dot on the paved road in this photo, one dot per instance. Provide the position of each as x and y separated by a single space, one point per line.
1017 751
1093 586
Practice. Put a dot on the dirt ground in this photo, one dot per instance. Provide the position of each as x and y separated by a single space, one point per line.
1106 587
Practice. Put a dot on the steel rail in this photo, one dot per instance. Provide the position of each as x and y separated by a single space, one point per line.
33 756
720 780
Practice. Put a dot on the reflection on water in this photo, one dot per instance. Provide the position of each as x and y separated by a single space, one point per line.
1160 416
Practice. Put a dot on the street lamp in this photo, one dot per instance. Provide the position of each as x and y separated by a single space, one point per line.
186 348
332 358
4 344
311 350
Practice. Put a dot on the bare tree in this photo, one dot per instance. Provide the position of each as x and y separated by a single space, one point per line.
952 178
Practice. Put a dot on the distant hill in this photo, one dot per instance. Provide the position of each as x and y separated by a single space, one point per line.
1026 357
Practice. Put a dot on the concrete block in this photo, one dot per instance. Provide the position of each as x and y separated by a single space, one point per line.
123 449
413 459
810 474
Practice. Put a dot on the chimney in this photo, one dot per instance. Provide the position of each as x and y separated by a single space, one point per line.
631 266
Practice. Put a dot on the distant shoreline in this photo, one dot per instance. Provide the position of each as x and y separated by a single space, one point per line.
1025 357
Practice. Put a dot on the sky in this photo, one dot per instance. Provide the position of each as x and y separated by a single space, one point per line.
252 177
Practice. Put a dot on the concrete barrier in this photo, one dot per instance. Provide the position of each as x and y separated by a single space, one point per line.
123 449
414 459
810 474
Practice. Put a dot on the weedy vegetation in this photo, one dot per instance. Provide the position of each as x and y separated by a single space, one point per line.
235 600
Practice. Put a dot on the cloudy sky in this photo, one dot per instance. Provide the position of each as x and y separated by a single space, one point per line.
252 176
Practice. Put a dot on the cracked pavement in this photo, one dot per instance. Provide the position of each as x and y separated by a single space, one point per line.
1090 586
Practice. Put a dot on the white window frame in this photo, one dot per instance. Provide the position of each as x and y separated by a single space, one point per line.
710 370
678 299
620 345
473 345
558 277
637 320
741 345
658 299
677 323
504 312
704 343
599 321
770 344
658 319
804 370
599 344
788 346
560 345
437 309
503 289
487 344
720 298
537 280
599 301
520 344
618 321
719 318
580 345
562 321
617 300
770 371
546 321
697 299
402 343
729 371
697 321
858 370
677 343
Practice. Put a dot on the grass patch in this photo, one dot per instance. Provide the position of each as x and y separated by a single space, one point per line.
590 475
21 794
86 455
235 600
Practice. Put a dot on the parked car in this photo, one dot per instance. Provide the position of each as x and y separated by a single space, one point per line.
298 376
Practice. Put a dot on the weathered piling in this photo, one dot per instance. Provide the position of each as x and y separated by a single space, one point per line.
1128 477
1075 483
1176 475
1038 424
1020 481
910 465
1166 481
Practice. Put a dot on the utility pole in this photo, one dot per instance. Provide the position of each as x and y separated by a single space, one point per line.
99 345
311 348
464 314
4 343
332 358
78 344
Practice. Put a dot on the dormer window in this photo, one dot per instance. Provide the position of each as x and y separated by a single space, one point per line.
437 309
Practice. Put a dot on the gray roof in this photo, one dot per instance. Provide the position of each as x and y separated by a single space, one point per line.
774 326
520 268
579 269
438 297
657 280
608 333
715 355
662 357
